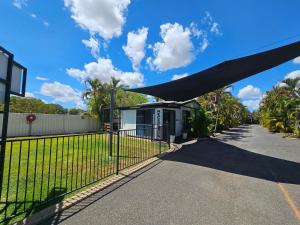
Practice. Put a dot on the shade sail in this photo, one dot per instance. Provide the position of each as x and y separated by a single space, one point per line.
222 74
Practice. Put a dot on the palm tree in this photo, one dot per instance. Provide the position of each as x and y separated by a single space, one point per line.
96 96
279 110
219 96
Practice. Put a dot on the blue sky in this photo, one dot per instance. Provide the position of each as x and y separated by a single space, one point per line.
142 42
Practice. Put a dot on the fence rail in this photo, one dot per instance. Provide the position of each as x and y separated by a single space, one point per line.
41 171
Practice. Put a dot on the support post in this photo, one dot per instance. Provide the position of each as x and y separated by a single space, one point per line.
5 118
111 120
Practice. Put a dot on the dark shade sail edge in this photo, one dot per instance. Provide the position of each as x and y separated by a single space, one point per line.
221 74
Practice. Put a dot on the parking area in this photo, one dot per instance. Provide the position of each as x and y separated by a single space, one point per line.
244 176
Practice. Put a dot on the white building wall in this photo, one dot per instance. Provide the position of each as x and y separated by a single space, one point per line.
128 119
178 122
47 124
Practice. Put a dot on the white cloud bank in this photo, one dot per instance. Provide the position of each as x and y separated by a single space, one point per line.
104 70
135 47
62 93
252 104
251 96
175 51
19 3
103 17
297 60
29 95
177 46
293 75
249 92
179 76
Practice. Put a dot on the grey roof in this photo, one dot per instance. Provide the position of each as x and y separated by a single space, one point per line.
164 104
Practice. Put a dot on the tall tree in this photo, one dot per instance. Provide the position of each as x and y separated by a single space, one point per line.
97 96
280 108
26 105
226 111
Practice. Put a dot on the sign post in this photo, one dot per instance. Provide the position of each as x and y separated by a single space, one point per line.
12 81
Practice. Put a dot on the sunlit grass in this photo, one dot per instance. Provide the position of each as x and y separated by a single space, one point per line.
39 169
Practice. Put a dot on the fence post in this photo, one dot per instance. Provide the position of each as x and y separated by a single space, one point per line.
152 132
118 152
159 146
168 135
111 119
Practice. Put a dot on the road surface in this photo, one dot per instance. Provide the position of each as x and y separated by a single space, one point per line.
248 176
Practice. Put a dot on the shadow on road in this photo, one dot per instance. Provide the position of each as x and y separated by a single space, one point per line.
236 134
221 156
58 218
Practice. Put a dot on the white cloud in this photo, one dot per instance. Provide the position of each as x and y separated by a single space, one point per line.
93 44
297 60
280 84
293 75
29 95
214 27
19 3
41 78
251 104
104 70
46 24
229 89
204 44
135 48
62 93
104 17
195 31
33 15
175 51
179 76
249 92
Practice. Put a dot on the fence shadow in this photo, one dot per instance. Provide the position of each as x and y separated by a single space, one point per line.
32 206
229 158
65 214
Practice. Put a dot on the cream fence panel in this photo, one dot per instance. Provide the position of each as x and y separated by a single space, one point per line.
47 124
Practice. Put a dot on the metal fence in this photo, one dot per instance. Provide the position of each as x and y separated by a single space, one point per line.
42 171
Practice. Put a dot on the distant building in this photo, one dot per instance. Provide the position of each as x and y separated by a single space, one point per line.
174 116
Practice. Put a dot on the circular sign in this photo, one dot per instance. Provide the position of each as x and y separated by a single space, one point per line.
30 118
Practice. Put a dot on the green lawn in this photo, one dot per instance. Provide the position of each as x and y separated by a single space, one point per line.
43 168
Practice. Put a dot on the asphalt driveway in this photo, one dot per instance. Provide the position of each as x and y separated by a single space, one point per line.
246 176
